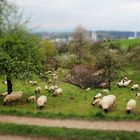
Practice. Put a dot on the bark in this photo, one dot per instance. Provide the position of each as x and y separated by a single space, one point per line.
9 84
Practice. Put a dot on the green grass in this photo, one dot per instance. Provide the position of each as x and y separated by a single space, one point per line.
125 43
66 134
77 108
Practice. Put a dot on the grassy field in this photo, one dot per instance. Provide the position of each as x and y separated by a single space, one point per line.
125 43
66 134
74 103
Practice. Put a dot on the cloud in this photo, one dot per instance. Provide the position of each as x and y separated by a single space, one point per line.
93 14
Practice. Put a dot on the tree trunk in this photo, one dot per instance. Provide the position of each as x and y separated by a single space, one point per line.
9 84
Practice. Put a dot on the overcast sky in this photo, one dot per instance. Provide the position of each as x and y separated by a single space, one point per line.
65 15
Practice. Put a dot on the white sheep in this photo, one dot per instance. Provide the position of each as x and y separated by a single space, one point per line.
32 99
14 96
125 78
99 95
107 102
52 88
126 83
41 101
103 85
96 101
37 89
33 82
46 87
138 95
135 87
120 83
131 105
4 82
57 92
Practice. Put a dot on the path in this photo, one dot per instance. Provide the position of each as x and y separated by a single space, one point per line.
78 124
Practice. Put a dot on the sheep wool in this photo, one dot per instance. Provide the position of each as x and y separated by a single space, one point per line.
107 102
99 95
96 101
41 101
131 105
57 92
135 87
52 88
14 96
37 89
32 99
46 87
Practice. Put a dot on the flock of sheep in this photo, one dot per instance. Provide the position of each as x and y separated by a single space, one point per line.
103 99
106 101
17 96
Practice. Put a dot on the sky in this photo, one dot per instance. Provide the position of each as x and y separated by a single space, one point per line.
65 15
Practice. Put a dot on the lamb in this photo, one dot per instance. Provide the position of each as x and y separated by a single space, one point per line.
33 82
107 102
37 89
46 87
41 101
14 96
32 99
99 95
96 101
52 88
57 92
131 105
135 87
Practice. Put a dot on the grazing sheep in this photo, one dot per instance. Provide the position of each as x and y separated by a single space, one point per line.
46 87
125 78
4 82
88 89
96 101
37 89
99 95
107 102
131 105
4 94
13 97
52 88
33 82
120 83
135 87
32 99
41 101
57 92
105 91
138 95
126 83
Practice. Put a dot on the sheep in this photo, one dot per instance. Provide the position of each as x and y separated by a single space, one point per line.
14 96
88 89
105 91
126 83
32 99
135 87
4 94
37 89
41 101
107 102
131 105
138 95
46 87
33 82
57 92
50 81
52 88
99 95
4 82
96 101
103 85
120 83
125 78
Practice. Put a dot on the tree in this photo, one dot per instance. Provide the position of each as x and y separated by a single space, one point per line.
19 52
79 41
